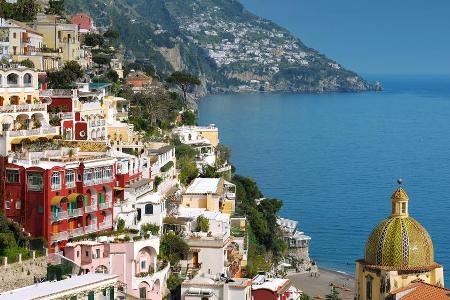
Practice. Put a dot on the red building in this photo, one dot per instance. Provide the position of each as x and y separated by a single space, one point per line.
84 22
59 199
265 288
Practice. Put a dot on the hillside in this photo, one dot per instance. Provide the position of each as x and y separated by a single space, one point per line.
230 47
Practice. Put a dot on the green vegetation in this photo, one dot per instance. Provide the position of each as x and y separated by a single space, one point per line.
22 10
202 224
334 295
188 118
174 284
185 82
152 228
65 78
93 39
55 7
265 243
58 272
188 170
172 248
167 166
27 63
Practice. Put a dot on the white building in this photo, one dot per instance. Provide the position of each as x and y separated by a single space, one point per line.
90 286
216 288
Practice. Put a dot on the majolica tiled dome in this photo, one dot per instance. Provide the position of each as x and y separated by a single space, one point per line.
399 242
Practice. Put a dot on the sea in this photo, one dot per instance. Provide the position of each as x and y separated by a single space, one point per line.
334 159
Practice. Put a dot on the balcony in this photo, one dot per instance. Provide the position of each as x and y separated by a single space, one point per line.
23 108
76 232
98 180
59 215
72 213
106 224
88 182
31 132
91 228
97 123
105 205
59 236
107 179
91 208
56 187
58 93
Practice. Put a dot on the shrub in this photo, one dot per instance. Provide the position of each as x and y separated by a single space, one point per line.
167 166
126 238
202 224
153 228
121 225
137 238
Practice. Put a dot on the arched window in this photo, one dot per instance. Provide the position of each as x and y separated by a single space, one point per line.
149 209
28 79
13 79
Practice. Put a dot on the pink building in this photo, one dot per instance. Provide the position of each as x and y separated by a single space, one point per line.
134 262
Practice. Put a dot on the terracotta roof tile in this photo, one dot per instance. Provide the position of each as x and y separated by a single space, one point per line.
422 291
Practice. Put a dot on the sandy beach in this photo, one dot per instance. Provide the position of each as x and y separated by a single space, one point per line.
318 287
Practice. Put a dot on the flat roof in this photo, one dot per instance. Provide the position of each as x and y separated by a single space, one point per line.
46 289
203 186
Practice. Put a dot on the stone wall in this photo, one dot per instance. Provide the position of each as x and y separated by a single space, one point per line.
22 273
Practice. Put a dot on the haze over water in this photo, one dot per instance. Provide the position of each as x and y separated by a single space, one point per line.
334 158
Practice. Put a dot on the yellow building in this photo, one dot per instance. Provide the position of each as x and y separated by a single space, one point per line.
399 251
59 36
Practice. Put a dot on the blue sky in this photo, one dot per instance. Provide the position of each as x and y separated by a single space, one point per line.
369 37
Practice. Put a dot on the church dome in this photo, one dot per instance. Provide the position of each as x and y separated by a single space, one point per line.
399 242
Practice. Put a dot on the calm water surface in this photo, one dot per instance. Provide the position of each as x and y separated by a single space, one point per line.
334 159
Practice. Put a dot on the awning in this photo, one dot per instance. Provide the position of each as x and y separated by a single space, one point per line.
58 199
17 141
117 188
74 197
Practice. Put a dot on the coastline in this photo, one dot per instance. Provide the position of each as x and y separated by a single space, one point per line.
318 287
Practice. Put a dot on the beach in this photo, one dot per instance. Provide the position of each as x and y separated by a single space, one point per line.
318 287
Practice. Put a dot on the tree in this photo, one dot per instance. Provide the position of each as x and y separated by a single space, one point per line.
209 172
188 118
55 7
304 297
112 75
93 39
74 67
101 59
111 34
184 81
188 170
62 79
224 153
25 10
173 248
202 224
27 63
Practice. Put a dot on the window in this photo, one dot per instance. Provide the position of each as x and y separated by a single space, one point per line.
142 293
149 209
143 265
70 178
18 204
78 253
97 252
369 288
88 175
14 35
56 181
28 80
12 176
101 196
87 253
35 182
40 209
138 217
12 79
403 208
7 204
111 293
91 295
98 174
108 172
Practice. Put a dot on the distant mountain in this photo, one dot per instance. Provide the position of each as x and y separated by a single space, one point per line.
231 48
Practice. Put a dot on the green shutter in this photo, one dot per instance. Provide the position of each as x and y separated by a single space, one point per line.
86 200
111 293
91 295
102 197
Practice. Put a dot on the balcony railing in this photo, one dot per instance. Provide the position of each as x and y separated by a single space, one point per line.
97 123
90 228
76 212
23 107
59 215
56 187
90 208
76 232
37 131
105 205
58 93
107 179
59 236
